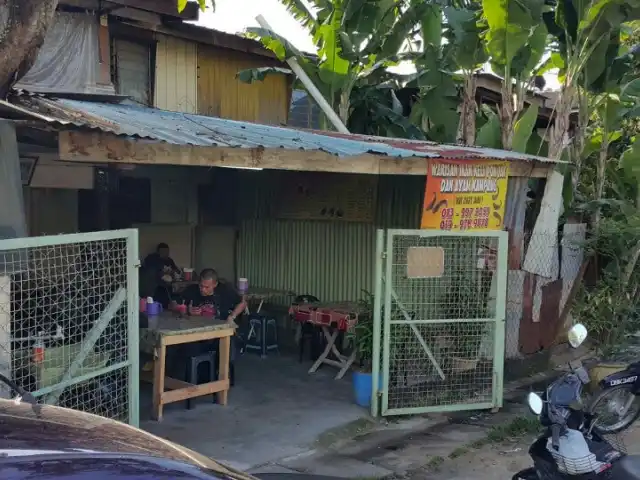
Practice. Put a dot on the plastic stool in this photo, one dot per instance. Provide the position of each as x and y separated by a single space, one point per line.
259 338
192 370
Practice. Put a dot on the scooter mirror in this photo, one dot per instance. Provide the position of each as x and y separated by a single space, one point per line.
577 335
535 403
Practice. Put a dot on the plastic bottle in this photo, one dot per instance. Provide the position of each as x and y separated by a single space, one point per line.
38 350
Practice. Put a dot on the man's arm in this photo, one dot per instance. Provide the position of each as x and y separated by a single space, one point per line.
173 265
239 305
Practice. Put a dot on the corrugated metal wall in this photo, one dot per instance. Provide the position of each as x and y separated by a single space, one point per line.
221 94
176 87
329 259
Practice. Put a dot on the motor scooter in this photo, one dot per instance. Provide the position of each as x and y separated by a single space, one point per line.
571 448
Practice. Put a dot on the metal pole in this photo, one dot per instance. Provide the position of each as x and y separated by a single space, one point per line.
377 326
311 88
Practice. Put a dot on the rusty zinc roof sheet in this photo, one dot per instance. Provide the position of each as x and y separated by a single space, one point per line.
133 120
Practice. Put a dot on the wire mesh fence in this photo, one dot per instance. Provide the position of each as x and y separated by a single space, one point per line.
64 316
542 270
442 298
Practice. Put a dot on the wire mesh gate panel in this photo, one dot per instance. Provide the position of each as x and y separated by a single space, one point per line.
443 318
69 320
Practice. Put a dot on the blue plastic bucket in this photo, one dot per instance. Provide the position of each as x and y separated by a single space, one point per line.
362 386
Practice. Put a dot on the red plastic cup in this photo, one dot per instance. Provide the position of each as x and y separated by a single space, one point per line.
182 309
188 274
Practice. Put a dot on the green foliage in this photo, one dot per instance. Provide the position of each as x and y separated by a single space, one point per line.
182 4
524 129
516 36
373 113
259 74
588 36
362 334
609 308
489 134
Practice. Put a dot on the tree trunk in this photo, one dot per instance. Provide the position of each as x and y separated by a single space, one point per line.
23 26
601 176
344 106
467 126
579 138
507 114
561 124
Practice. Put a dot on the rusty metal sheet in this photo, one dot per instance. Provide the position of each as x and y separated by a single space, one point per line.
516 246
529 331
550 312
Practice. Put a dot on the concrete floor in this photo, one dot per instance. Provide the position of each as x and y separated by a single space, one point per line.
275 410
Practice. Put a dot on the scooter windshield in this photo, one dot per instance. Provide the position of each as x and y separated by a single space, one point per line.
563 394
565 391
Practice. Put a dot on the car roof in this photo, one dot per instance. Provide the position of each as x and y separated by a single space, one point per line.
23 427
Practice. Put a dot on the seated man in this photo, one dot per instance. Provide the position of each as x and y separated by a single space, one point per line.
162 267
213 294
219 296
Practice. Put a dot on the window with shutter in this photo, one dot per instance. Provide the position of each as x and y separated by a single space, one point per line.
132 70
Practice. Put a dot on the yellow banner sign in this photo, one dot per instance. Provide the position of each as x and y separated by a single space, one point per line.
465 195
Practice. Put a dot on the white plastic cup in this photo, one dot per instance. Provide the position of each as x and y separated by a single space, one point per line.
243 285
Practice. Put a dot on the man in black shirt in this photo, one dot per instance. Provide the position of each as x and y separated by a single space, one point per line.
160 267
160 261
223 298
210 292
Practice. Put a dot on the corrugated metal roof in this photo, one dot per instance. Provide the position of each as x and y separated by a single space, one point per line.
133 120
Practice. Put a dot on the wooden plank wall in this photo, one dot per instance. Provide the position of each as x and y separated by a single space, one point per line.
176 86
221 94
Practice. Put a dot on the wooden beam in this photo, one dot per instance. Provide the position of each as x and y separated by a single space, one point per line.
98 147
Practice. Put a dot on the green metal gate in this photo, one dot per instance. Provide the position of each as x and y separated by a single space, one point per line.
439 321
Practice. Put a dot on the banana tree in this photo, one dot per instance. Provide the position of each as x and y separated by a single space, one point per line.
356 42
516 41
464 35
588 36
436 108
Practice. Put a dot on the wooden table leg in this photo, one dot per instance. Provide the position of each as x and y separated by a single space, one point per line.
160 354
223 367
331 340
347 364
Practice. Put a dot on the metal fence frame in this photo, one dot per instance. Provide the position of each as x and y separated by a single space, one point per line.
382 323
132 263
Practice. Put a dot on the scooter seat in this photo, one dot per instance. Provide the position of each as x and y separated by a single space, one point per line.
630 467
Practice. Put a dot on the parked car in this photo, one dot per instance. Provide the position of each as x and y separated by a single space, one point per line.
54 443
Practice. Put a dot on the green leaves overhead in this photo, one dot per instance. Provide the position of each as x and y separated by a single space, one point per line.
588 34
489 134
514 28
630 162
465 37
524 129
274 42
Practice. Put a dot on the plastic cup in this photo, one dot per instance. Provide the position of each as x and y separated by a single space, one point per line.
188 274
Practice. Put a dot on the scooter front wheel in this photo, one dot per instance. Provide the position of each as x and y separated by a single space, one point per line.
526 474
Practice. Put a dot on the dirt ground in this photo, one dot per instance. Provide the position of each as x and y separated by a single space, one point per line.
497 461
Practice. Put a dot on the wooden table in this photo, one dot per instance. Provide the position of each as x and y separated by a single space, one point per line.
333 318
172 329
258 294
